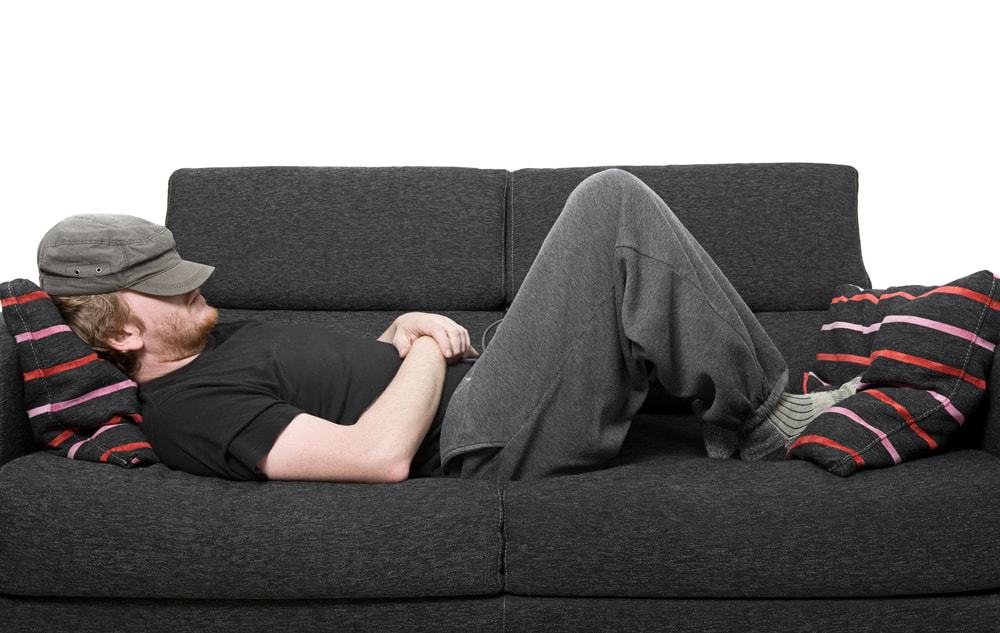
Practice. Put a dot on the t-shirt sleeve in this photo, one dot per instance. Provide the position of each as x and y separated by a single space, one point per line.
217 430
256 439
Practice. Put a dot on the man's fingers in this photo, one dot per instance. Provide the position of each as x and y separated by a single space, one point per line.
454 342
444 339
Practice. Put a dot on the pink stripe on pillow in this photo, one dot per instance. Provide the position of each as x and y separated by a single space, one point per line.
882 436
928 323
941 327
65 404
844 325
75 447
948 406
39 334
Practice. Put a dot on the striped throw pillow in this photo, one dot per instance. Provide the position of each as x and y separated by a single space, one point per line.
924 354
78 405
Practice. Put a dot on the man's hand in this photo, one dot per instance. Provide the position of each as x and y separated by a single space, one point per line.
452 338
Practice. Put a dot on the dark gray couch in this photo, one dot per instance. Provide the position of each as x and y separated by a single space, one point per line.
661 539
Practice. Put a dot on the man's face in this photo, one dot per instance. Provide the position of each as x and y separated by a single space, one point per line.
175 327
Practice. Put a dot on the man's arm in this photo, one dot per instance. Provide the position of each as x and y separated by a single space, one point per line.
401 417
381 444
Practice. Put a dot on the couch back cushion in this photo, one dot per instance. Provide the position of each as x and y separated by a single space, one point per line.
785 234
15 433
344 238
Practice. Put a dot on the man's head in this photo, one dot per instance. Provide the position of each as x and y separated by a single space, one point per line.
122 287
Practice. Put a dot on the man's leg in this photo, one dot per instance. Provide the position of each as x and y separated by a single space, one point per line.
619 294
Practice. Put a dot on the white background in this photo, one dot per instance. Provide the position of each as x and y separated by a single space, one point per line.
101 101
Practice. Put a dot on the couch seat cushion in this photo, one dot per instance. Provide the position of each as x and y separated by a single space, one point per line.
663 520
73 528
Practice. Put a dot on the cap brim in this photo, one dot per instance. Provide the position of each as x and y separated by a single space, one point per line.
181 279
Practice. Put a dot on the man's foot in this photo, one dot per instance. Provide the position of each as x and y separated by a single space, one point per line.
790 416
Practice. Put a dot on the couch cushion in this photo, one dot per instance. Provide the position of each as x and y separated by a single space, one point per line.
15 433
343 238
783 233
924 355
82 529
662 520
79 406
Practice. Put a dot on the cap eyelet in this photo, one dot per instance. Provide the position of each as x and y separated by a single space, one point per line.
98 270
77 271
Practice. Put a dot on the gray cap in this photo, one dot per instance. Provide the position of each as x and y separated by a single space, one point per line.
98 253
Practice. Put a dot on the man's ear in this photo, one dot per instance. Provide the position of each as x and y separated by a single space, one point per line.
127 341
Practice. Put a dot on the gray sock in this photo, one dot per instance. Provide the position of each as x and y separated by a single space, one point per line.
790 416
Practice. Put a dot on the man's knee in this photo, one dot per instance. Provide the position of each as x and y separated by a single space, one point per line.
614 178
612 175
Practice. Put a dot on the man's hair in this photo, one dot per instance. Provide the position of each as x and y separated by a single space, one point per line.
96 318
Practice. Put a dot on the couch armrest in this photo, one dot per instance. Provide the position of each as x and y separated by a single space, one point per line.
15 434
991 425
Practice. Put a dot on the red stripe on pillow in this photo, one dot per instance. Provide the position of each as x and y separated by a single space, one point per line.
124 447
59 439
58 369
893 295
965 292
929 364
912 423
845 358
25 298
952 290
861 297
867 296
825 441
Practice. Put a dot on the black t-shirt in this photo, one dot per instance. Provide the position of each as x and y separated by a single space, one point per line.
220 413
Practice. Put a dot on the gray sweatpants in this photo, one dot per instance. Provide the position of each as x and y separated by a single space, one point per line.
619 294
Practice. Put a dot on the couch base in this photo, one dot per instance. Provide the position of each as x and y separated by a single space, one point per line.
510 613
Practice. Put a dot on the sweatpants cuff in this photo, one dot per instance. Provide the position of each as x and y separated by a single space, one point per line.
769 403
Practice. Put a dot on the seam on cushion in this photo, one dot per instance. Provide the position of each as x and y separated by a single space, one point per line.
503 613
503 240
31 345
503 543
940 405
513 261
18 308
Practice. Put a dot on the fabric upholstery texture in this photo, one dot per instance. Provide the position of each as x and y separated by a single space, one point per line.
185 536
664 521
79 406
924 354
344 238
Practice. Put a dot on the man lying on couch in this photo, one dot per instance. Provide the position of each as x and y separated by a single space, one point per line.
619 295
